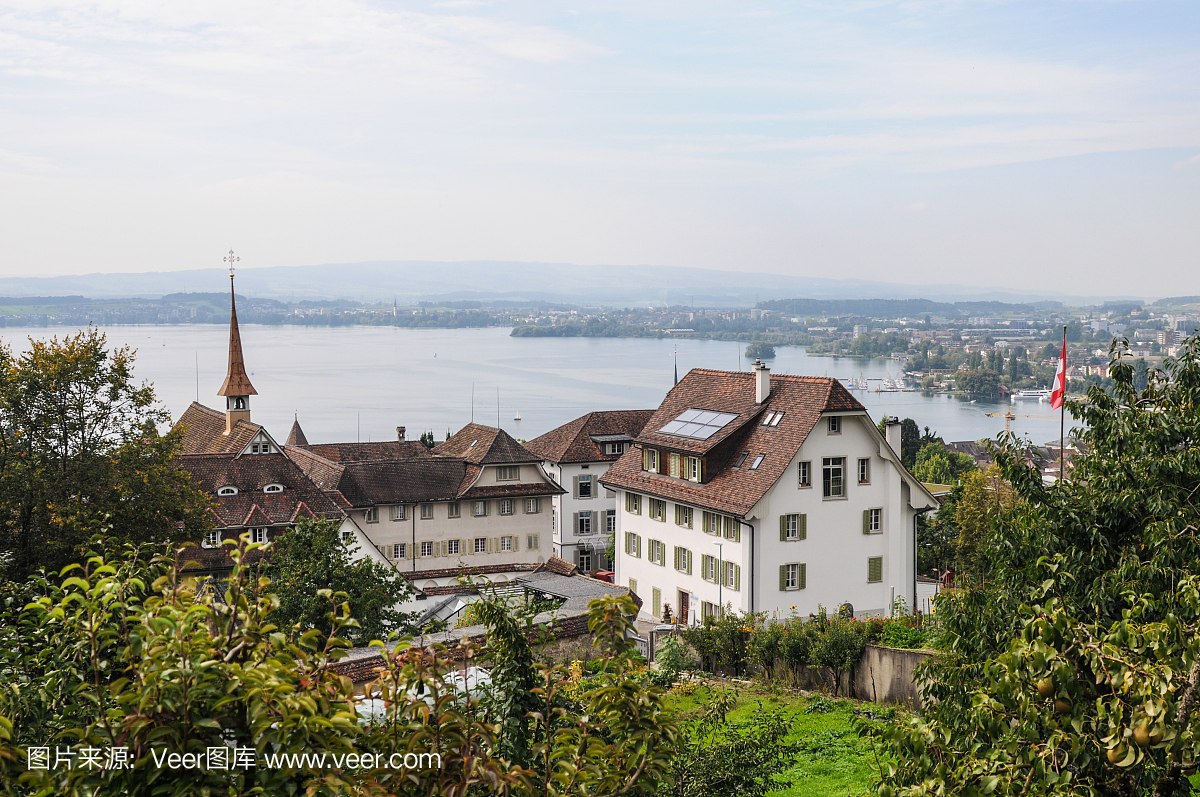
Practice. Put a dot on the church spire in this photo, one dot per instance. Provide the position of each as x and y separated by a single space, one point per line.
236 389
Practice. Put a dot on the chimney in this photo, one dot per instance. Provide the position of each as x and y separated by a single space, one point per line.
400 433
762 381
893 433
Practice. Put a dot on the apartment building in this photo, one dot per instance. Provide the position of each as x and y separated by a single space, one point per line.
478 499
577 455
765 493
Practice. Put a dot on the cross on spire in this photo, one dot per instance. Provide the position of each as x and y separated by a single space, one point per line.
230 259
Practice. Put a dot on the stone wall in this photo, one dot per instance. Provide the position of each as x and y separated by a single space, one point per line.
882 675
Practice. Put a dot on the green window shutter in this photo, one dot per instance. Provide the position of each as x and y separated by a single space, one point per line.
575 487
804 527
723 572
782 578
803 575
875 569
737 577
633 585
689 561
866 521
627 538
639 546
656 601
737 531
704 522
783 528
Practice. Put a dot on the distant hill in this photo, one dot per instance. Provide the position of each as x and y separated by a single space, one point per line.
895 308
411 281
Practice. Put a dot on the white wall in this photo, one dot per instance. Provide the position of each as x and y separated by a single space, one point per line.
566 536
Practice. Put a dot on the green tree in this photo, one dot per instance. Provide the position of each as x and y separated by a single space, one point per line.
80 450
1073 670
427 439
983 383
312 558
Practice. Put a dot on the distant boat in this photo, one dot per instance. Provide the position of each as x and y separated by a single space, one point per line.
1033 395
518 416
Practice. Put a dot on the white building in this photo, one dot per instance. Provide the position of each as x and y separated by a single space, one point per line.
768 494
576 455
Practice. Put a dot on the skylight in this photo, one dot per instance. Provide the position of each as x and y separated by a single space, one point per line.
698 424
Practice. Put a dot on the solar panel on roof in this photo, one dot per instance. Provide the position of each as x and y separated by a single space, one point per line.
697 424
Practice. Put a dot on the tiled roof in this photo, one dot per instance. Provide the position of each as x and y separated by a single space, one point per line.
250 474
512 490
367 452
476 570
484 445
205 432
296 435
401 481
237 383
572 442
727 488
560 566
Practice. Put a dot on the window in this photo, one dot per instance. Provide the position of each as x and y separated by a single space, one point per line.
633 544
453 547
346 535
506 543
741 459
212 539
506 506
633 503
656 553
673 464
793 527
872 521
583 559
453 509
691 468
481 545
874 569
864 471
757 461
805 475
399 512
508 473
708 610
708 567
583 522
697 424
372 514
683 515
427 549
610 521
658 509
683 560
832 477
583 486
400 550
614 449
731 575
772 419
531 542
426 511
273 488
793 576
835 424
712 523
479 508
227 491
258 535
650 459
533 506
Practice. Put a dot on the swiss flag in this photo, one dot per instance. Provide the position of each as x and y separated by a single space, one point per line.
1060 380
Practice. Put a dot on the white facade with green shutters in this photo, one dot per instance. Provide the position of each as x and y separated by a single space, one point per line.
845 536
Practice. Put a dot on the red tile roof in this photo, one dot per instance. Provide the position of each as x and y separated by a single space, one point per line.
728 488
368 452
484 445
204 432
572 442
296 435
250 474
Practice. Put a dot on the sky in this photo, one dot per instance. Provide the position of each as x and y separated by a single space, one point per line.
1051 145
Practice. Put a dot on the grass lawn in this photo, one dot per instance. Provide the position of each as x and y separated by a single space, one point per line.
835 761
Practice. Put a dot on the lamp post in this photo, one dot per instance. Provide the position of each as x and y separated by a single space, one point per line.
720 581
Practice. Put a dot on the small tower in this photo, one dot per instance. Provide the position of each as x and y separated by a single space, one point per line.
236 389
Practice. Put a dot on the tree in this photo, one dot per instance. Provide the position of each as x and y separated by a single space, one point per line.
983 383
935 464
80 450
427 439
910 441
1074 669
312 558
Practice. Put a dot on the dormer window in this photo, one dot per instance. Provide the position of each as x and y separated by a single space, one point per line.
614 449
508 473
273 488
227 490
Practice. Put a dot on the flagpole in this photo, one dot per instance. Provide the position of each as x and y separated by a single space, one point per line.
1062 415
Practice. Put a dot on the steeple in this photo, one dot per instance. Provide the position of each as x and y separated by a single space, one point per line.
296 436
236 389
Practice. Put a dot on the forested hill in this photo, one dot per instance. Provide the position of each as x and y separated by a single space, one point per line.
899 308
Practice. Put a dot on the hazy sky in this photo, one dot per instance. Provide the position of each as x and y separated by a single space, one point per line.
1053 144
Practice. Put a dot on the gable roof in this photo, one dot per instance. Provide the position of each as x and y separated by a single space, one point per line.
727 487
573 441
204 432
250 474
484 445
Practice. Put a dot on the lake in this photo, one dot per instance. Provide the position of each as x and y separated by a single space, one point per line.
360 383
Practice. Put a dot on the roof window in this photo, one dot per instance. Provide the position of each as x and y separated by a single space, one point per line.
227 490
757 461
698 424
273 488
772 419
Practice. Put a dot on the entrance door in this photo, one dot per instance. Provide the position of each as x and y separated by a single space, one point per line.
683 607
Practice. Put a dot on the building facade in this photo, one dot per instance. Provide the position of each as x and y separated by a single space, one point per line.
765 493
577 455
